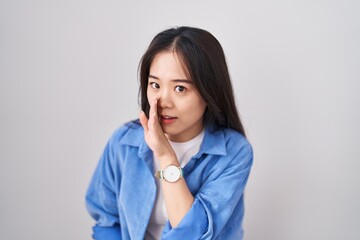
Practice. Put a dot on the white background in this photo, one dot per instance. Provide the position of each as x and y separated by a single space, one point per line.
68 78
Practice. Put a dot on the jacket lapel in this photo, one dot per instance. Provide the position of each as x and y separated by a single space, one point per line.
138 185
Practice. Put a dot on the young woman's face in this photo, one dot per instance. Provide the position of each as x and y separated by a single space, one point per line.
180 106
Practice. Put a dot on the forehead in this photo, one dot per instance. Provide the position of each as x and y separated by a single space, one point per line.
168 65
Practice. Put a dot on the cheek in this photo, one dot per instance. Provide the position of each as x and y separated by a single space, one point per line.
195 106
202 108
199 104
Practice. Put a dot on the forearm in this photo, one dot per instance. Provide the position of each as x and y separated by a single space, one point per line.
177 196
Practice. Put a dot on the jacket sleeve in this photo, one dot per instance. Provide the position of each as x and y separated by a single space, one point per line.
214 203
101 198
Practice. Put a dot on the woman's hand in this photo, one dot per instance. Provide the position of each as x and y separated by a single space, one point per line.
154 135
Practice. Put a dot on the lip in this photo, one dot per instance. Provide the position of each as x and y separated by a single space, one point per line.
165 119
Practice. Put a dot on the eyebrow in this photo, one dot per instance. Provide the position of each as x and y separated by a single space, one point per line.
173 80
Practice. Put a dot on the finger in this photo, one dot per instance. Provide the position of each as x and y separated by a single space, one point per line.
144 121
153 116
153 107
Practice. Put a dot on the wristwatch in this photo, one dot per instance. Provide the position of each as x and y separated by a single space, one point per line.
171 173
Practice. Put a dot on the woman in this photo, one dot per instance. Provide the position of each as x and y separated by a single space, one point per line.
189 134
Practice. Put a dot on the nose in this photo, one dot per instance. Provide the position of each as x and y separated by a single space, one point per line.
164 99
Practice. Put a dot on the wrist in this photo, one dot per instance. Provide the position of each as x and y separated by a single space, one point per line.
168 159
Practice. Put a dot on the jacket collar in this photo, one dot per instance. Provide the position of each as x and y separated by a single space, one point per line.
214 143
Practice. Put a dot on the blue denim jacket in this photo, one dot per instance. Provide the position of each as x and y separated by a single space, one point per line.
122 191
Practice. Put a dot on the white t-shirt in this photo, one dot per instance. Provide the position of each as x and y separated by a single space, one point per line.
184 151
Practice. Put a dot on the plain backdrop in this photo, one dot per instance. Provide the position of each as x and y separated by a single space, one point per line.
68 79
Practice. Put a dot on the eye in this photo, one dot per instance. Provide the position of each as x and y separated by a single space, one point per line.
154 85
180 88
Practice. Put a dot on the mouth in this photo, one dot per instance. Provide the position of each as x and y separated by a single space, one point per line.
167 119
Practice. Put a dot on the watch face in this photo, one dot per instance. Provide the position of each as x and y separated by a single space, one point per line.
171 173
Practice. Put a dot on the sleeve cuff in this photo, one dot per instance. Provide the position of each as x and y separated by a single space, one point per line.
193 226
106 233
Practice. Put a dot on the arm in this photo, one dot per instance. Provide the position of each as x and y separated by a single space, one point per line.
218 208
101 199
177 196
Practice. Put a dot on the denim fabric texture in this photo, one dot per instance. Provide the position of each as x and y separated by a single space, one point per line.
122 191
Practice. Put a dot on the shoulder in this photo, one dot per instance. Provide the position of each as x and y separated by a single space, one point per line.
237 147
235 139
130 133
227 138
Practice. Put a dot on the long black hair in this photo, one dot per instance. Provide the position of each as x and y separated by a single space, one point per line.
204 63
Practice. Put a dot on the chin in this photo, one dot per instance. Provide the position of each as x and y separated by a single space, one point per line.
171 135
